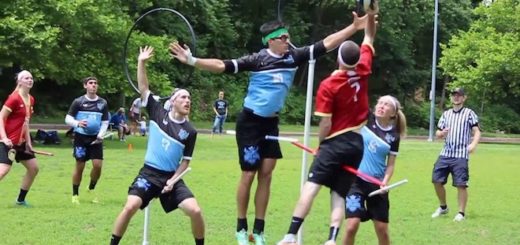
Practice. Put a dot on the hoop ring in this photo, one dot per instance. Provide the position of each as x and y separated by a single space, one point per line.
125 49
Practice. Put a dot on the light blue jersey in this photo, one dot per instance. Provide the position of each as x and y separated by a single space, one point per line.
268 90
94 111
169 141
379 143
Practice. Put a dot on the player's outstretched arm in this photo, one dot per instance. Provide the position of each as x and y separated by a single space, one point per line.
334 40
184 55
145 53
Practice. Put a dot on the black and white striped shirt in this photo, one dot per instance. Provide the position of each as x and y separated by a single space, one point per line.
460 124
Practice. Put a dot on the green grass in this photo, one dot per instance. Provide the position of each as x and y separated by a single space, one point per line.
492 212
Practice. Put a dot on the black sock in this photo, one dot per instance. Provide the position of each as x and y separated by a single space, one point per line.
75 190
333 233
241 224
258 227
92 185
444 207
21 196
199 241
462 213
115 240
295 225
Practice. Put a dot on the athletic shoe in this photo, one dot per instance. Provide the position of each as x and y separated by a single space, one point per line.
439 212
288 239
330 242
75 200
92 194
259 239
22 204
459 217
242 237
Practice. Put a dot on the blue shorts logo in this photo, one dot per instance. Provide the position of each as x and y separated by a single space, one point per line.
80 152
251 155
353 203
142 183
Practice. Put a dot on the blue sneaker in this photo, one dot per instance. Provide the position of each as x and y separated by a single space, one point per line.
22 204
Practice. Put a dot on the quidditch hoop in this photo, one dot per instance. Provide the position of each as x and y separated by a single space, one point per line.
125 49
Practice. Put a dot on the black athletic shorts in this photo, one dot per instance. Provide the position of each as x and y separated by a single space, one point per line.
84 151
149 183
359 205
251 130
19 153
333 154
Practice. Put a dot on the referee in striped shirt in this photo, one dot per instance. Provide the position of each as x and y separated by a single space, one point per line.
455 126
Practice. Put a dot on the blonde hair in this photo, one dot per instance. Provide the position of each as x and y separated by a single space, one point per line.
399 120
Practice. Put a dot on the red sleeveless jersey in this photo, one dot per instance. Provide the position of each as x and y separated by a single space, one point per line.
343 95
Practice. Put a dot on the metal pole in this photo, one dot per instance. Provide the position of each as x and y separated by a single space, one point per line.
434 69
306 131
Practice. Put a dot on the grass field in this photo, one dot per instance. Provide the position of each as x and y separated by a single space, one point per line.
492 213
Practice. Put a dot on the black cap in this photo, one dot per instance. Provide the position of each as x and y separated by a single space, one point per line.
458 91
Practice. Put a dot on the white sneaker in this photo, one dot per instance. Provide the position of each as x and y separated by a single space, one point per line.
330 242
459 217
440 212
242 237
288 239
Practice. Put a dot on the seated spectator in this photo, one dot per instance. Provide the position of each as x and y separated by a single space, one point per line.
118 122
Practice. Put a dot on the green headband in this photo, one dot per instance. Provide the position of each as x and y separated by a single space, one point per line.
275 33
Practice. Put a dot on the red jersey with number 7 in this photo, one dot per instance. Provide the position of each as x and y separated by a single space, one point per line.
20 113
343 95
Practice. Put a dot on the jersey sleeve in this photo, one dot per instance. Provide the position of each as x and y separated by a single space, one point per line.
307 53
324 101
10 103
394 146
472 119
105 114
244 63
364 67
442 122
153 107
190 146
74 108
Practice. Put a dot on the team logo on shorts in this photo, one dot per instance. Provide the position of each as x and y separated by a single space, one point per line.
353 203
80 152
251 154
142 183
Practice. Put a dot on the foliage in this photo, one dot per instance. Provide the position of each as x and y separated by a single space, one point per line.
500 118
486 58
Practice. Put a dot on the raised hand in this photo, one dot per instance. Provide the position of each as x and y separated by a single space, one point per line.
183 54
145 53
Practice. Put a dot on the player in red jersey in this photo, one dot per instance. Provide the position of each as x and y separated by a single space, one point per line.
14 133
342 104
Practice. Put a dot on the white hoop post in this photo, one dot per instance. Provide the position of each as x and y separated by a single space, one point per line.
307 130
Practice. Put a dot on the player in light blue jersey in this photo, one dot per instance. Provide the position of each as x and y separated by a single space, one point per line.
272 72
456 126
88 115
170 147
381 136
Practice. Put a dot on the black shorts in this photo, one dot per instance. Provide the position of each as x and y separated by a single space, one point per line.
359 205
19 153
149 183
333 154
458 167
84 151
251 130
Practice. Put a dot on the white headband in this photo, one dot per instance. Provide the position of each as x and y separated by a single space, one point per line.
340 58
177 92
